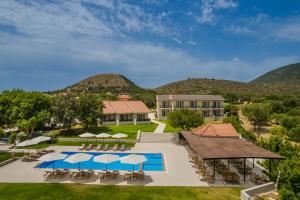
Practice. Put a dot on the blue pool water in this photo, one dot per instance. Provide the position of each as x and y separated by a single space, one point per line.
154 163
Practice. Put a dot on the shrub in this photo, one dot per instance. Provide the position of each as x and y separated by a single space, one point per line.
294 133
279 131
12 138
231 109
290 122
21 136
234 120
185 119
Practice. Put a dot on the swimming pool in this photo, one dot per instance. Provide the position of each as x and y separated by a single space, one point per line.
154 163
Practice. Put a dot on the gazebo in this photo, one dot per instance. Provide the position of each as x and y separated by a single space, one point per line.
218 148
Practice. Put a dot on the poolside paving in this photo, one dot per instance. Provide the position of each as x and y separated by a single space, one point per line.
178 169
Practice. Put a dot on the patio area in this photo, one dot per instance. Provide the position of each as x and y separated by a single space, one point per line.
178 169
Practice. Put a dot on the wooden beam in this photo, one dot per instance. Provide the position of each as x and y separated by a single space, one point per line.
244 169
214 169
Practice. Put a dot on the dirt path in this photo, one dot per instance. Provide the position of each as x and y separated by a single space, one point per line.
264 131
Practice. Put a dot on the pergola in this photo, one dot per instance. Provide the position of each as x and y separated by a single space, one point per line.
214 148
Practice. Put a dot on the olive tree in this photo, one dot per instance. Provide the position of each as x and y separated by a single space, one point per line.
185 119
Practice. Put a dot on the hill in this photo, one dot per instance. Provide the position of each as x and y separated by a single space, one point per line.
289 74
211 86
114 83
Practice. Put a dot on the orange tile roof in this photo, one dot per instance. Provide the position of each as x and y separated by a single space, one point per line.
124 97
216 130
124 107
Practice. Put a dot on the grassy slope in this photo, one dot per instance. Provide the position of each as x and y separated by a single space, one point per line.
85 192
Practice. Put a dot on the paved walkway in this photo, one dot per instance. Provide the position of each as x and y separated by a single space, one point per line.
158 138
160 128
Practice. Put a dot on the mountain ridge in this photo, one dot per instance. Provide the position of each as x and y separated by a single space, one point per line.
268 83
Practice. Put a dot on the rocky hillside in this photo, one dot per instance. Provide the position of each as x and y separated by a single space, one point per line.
289 74
114 83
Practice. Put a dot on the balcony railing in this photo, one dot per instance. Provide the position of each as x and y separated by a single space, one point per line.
161 106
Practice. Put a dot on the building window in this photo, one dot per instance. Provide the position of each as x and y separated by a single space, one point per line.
217 113
164 113
126 117
205 104
165 104
141 117
109 117
206 113
193 104
216 104
179 104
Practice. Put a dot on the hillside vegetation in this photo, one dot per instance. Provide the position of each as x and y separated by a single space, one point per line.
289 74
282 81
114 83
212 86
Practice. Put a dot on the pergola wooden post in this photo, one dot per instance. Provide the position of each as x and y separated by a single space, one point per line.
214 169
244 169
270 168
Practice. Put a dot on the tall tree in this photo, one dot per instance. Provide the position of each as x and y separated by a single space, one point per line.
257 113
185 119
89 109
64 109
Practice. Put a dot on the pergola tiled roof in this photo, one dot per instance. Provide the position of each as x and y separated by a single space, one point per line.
216 130
124 107
226 148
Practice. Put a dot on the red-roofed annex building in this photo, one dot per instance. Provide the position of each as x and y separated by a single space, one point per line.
125 112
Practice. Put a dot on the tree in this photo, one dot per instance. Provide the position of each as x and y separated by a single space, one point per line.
257 113
89 109
64 109
16 105
277 107
294 133
1 132
231 109
294 111
185 119
277 117
28 125
147 98
234 120
290 122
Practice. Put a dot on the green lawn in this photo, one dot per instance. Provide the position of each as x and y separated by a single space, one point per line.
31 191
73 143
130 130
7 155
169 128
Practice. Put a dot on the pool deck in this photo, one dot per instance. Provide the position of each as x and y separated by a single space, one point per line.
179 171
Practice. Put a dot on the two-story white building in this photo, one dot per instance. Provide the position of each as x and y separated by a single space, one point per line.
209 105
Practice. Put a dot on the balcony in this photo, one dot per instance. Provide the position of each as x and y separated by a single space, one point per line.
165 106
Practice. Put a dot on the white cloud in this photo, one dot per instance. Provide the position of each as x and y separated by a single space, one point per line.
66 41
209 7
191 42
288 31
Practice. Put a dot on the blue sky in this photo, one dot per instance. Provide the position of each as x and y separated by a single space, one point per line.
50 44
